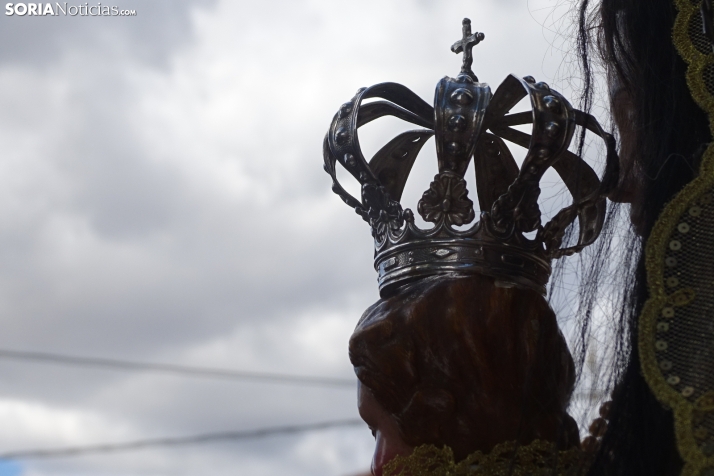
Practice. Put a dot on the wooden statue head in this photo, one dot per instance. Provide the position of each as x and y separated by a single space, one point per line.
459 361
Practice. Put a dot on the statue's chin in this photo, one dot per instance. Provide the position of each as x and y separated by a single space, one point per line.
385 451
388 440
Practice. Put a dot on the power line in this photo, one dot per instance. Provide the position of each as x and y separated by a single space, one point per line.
174 441
206 372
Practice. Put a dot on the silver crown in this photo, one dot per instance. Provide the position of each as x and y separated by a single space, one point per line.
470 122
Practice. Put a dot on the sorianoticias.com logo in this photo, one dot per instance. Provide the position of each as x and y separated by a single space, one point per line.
64 9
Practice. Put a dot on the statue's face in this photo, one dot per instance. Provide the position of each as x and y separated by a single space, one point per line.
388 441
629 189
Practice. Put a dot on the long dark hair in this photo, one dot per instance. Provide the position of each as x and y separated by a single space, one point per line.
632 39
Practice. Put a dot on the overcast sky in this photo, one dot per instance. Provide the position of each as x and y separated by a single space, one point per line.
162 199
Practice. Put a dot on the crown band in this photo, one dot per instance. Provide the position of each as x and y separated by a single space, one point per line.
509 265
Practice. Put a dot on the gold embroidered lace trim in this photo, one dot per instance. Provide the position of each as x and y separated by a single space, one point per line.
539 458
676 339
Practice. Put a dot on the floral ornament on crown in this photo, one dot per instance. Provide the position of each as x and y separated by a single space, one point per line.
382 213
447 199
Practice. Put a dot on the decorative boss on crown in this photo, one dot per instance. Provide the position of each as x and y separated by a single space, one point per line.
469 122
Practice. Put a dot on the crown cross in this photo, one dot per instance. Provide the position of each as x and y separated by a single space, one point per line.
465 45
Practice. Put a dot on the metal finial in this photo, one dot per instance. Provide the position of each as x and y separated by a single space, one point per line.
465 45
